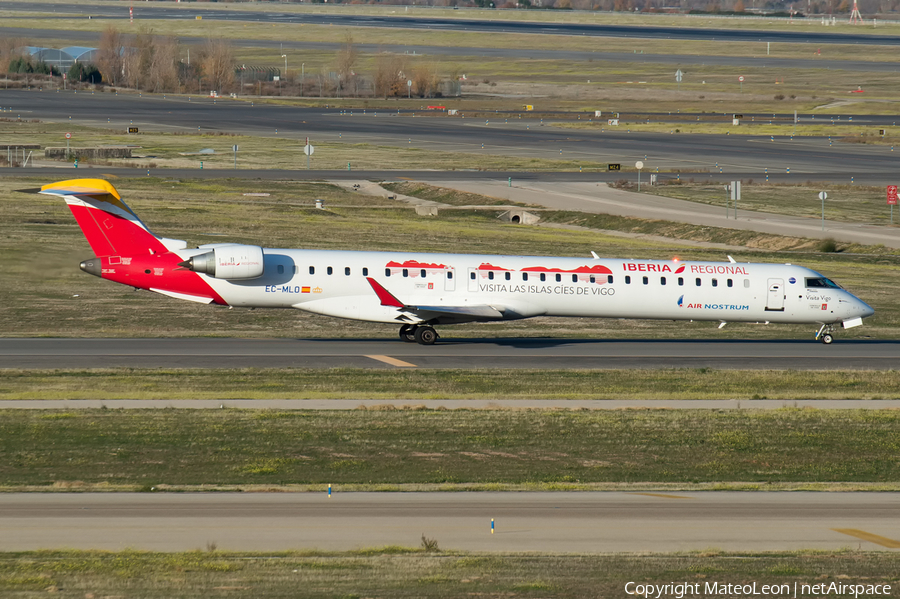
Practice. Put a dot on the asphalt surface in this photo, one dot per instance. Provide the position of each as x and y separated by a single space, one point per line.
601 199
478 22
448 353
724 156
583 522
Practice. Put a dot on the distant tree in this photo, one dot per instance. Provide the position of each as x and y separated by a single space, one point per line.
389 75
346 61
425 80
85 72
110 59
163 68
20 64
217 60
137 60
738 6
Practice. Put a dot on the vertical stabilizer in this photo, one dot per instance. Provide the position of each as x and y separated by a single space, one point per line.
109 225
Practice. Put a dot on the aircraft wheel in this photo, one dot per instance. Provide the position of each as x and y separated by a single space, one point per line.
426 335
827 339
408 333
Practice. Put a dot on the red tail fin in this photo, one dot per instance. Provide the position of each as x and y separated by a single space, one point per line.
107 222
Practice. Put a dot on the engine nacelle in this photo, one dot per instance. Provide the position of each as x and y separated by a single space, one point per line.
234 262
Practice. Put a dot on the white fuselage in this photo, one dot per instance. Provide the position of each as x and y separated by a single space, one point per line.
335 283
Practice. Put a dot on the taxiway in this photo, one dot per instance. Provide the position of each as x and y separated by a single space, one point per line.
531 353
580 522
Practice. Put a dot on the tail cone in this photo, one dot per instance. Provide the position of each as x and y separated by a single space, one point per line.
92 267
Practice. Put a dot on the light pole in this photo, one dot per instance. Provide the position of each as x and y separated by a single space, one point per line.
302 76
284 56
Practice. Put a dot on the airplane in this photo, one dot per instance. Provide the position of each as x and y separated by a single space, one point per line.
419 290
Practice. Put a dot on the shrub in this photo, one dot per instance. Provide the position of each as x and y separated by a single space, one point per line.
828 246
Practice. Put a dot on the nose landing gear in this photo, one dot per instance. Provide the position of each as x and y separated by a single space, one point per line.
421 334
825 334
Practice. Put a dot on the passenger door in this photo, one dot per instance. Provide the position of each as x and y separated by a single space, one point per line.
775 296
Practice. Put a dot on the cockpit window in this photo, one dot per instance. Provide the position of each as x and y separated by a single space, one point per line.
821 282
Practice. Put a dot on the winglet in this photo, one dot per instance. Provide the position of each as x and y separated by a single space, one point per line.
384 295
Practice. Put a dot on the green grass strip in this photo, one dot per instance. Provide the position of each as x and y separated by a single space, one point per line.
407 572
138 449
349 383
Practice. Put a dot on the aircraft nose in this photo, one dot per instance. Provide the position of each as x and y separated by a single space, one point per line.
866 309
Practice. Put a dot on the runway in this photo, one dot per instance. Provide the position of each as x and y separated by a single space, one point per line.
577 522
526 353
726 155
492 24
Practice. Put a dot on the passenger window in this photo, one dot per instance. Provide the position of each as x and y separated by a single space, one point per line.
387 272
543 277
508 276
405 272
422 273
491 275
715 282
347 270
730 283
449 274
575 279
681 281
698 281
746 283
662 280
609 279
524 276
472 275
646 280
593 280
558 277
628 279
365 271
330 270
281 269
312 270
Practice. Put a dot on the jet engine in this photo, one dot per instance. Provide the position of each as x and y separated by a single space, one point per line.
234 262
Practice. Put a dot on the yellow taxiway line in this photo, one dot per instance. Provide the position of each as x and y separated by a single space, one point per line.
867 536
393 361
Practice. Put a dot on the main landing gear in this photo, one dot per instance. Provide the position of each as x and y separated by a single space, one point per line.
825 334
421 334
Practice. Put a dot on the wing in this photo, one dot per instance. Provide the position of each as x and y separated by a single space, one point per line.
475 312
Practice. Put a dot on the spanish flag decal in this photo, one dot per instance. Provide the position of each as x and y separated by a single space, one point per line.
305 290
